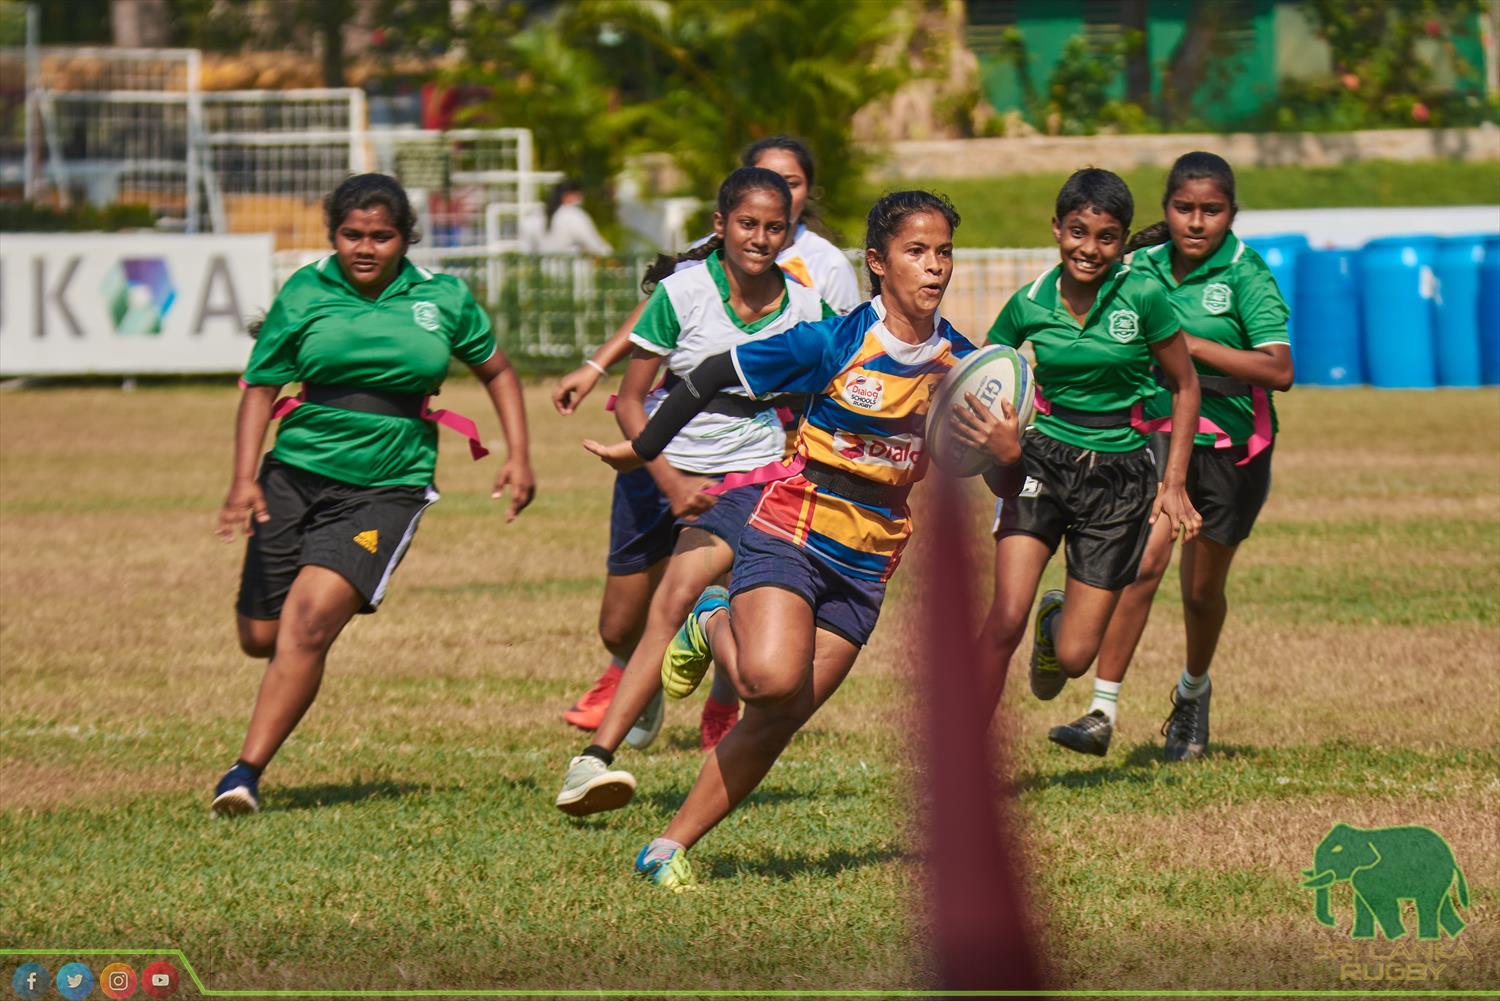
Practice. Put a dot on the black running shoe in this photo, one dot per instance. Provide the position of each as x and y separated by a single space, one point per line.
1186 729
1088 734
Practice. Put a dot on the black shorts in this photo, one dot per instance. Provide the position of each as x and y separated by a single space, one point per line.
1101 502
1229 497
359 532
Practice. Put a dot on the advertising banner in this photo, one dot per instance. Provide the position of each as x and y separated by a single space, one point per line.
129 304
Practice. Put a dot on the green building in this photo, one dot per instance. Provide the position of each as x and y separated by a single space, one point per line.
1216 63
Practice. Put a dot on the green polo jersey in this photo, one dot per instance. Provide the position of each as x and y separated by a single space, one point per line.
1103 365
320 330
1231 299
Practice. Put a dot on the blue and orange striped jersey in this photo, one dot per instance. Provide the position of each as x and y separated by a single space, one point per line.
868 418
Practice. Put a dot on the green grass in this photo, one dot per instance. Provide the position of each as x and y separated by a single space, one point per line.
409 840
1014 210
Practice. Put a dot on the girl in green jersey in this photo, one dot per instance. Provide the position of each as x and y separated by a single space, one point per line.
1097 327
369 336
1234 323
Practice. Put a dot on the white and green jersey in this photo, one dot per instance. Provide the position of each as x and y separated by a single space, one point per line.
816 263
688 320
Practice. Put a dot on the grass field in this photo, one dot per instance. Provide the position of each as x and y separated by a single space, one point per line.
1013 211
409 839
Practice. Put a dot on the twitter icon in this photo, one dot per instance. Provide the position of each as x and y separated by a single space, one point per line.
75 981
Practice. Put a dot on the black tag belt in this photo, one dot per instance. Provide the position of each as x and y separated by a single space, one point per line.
856 488
1099 420
1214 385
366 401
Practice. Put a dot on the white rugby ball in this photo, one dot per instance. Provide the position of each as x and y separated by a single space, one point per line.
992 373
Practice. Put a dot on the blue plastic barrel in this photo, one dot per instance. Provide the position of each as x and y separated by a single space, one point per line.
1489 313
1280 253
1327 346
1458 262
1397 290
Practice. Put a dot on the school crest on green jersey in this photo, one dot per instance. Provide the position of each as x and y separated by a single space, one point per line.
425 314
1124 324
1216 297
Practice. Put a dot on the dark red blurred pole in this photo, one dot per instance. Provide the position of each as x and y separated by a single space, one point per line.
981 929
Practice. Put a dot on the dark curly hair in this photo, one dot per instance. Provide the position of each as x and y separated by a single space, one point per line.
1101 190
365 191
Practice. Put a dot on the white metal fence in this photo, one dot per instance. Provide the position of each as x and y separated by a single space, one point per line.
558 307
108 125
132 125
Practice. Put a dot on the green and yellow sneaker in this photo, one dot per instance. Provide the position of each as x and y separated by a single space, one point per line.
688 656
670 870
1047 678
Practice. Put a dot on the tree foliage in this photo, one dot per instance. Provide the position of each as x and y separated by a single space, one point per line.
1386 55
699 79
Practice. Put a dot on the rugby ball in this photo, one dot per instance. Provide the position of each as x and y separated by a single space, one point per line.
993 373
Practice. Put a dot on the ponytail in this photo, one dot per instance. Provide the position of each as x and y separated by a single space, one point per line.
666 264
735 187
1153 235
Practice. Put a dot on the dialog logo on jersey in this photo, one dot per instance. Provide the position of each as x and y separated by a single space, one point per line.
864 391
1216 298
902 451
425 315
1124 325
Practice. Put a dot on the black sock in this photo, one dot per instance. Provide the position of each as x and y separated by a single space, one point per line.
595 751
254 770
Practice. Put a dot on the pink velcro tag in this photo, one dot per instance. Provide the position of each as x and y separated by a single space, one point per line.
781 469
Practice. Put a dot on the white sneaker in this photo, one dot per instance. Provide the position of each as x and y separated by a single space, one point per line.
648 725
591 787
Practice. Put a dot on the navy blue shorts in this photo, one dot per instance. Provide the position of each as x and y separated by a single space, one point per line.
641 526
642 530
840 603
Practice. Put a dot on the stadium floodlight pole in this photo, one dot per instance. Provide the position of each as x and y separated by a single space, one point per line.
981 927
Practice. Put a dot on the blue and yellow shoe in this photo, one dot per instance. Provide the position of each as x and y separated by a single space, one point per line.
688 656
1047 678
669 870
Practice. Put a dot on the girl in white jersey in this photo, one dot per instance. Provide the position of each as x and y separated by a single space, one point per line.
636 555
739 295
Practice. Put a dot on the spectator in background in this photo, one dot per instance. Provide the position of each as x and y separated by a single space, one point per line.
568 229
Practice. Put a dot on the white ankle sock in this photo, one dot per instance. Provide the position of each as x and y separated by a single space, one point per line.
1189 687
1106 695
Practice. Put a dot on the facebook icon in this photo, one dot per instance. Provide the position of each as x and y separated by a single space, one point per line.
30 981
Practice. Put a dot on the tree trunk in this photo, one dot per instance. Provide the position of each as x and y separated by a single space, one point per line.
139 24
330 18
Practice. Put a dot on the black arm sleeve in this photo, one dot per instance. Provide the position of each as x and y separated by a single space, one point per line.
684 403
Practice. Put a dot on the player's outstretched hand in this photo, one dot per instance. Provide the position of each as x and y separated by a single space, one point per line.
1182 517
573 387
517 475
976 426
687 498
619 456
243 509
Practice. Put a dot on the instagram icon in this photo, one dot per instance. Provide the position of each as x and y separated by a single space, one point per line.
117 980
